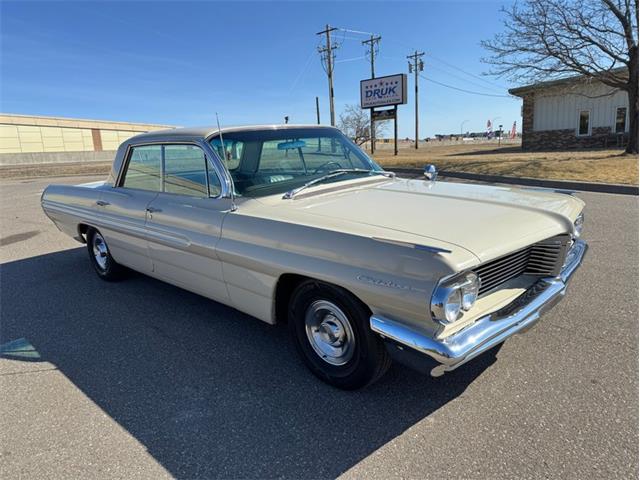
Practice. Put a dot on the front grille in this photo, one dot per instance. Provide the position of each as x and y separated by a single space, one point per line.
542 259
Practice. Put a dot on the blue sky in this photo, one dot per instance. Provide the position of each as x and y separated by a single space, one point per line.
253 62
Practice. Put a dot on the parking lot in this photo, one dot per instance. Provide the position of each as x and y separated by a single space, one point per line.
140 379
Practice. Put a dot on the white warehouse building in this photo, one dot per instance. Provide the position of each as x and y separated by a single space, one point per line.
574 112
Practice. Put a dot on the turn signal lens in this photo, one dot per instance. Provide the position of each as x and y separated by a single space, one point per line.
470 289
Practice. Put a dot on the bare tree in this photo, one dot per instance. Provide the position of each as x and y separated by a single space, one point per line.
355 124
548 39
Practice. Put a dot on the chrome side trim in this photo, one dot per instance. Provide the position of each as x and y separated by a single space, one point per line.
491 329
417 246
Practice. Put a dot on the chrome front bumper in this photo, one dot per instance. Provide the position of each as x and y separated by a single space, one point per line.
488 331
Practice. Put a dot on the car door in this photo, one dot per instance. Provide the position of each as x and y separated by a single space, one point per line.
122 210
184 222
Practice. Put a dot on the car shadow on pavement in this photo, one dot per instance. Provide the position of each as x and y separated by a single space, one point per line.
210 392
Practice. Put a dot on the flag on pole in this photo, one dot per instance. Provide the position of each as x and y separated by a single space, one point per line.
489 129
513 131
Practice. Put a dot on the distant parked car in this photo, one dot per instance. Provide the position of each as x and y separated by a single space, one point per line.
296 224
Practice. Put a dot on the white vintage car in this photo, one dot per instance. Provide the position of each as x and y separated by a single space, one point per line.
296 224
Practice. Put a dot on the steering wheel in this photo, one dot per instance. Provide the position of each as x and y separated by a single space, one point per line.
325 166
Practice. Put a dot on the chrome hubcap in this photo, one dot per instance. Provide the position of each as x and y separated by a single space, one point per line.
329 332
100 250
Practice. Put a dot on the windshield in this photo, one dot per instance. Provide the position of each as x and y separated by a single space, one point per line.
267 162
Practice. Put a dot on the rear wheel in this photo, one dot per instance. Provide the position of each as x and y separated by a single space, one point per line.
103 263
330 328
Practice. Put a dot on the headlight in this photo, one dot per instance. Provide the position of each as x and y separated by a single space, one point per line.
454 296
578 224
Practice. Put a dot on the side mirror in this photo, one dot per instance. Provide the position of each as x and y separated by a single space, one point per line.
431 172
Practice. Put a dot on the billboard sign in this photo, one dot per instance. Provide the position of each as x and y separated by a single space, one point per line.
383 91
381 115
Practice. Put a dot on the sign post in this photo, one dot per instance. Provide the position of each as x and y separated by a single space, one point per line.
395 130
389 91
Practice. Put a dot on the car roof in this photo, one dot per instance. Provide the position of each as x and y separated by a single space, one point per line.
206 132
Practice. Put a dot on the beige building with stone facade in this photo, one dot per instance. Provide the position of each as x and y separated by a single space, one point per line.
573 112
36 134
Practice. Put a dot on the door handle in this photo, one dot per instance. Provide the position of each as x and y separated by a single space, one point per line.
102 203
153 210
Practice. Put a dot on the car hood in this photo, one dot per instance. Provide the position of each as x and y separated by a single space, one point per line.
487 221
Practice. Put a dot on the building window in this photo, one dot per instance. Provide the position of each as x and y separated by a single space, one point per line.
584 123
621 119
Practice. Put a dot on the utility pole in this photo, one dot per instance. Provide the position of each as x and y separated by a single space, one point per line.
372 43
327 55
318 118
416 67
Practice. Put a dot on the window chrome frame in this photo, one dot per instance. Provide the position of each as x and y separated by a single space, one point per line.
211 160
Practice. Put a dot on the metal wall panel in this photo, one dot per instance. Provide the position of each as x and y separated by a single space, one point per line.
559 109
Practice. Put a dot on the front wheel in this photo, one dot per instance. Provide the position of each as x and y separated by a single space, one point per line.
330 328
103 263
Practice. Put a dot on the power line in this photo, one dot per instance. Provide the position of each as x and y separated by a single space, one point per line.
465 79
466 73
357 31
466 91
494 86
302 72
353 59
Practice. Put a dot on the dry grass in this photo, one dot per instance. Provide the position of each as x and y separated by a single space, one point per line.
609 166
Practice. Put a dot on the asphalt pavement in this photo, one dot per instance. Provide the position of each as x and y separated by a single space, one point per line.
139 379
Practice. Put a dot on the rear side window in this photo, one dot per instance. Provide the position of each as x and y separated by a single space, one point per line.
144 170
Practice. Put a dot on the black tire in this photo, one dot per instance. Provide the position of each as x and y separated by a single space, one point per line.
364 360
107 268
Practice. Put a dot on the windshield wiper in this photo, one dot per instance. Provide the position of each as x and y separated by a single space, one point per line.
332 174
364 170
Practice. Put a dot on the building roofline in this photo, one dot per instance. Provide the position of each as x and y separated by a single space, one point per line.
74 119
519 91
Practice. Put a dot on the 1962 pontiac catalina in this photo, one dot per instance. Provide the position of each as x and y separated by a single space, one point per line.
296 224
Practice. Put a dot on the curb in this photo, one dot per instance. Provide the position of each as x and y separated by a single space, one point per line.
531 182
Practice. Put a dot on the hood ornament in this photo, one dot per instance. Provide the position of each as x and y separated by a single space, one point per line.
430 172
